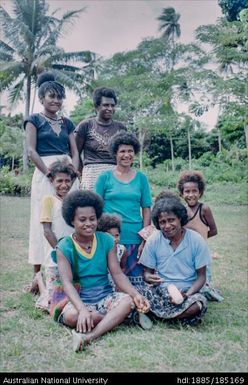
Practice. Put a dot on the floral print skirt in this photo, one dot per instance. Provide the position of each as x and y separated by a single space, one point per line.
162 308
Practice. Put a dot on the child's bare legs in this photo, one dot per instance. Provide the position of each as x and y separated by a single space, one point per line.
40 282
103 323
42 301
33 287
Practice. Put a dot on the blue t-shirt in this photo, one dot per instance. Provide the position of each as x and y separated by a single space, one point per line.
48 142
92 267
125 199
176 266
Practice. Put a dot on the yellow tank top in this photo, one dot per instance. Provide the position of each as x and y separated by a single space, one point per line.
196 222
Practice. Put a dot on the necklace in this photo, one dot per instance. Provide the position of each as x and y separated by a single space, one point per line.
87 247
55 123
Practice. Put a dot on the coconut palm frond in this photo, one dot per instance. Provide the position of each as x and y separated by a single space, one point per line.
73 81
7 48
64 67
15 93
5 56
81 56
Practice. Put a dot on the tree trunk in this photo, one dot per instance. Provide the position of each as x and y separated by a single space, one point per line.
172 154
13 163
141 140
246 136
27 107
219 140
189 147
34 97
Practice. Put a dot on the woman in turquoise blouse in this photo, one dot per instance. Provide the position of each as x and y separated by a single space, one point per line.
126 192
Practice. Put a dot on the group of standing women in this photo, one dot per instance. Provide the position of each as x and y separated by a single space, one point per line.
108 156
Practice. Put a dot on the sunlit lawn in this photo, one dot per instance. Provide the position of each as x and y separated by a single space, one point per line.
31 342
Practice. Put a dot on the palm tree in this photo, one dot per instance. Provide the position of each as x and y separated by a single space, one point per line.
29 47
169 24
228 41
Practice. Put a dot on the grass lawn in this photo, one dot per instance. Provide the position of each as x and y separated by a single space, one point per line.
31 342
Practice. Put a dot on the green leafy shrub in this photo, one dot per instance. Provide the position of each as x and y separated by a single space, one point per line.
11 184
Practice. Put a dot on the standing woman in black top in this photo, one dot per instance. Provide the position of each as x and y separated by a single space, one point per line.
49 137
93 136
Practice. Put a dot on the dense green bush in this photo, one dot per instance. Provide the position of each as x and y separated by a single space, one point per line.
222 168
218 168
11 184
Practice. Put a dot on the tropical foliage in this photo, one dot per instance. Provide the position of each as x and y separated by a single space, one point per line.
232 8
164 87
29 46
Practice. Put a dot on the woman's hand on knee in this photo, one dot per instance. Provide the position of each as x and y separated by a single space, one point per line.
85 322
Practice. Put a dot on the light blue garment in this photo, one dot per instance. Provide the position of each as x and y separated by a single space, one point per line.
125 199
176 266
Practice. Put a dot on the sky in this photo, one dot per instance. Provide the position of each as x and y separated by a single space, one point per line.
110 26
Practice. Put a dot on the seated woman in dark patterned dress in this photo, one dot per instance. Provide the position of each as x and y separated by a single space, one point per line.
174 255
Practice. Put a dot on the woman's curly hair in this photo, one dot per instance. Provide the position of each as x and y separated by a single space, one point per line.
166 194
46 83
76 199
169 205
103 92
123 137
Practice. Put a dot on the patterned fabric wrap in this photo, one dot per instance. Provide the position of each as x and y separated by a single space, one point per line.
59 299
103 307
91 172
160 303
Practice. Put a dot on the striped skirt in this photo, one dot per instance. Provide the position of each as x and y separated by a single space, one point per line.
91 172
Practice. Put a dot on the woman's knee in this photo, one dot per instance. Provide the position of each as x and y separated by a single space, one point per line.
70 317
193 310
128 302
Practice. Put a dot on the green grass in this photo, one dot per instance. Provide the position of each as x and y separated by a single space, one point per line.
31 342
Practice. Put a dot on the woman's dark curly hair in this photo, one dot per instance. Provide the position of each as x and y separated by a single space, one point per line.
46 83
61 166
166 194
191 176
103 91
77 199
109 221
169 205
123 137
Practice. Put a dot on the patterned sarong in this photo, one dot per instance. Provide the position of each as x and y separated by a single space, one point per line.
160 303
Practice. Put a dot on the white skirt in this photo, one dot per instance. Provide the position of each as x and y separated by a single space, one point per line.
91 172
40 187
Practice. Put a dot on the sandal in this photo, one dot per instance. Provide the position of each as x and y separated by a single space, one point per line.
142 320
145 322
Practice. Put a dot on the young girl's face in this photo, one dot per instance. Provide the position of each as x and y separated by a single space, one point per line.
85 221
116 234
52 102
191 193
62 183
